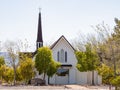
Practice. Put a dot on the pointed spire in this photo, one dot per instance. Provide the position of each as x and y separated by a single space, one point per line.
39 34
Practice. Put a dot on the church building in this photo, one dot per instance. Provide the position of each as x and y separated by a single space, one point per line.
63 52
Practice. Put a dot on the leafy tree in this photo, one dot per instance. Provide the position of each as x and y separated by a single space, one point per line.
91 57
44 62
81 64
110 46
7 73
13 50
18 74
87 60
116 81
116 33
27 69
107 73
2 61
2 69
53 67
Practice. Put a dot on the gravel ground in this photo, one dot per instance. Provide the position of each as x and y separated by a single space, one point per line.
79 87
63 87
31 87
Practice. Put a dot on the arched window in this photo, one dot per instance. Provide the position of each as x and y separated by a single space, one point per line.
65 56
58 56
39 45
62 56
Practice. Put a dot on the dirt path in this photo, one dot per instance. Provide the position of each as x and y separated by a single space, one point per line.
79 87
63 87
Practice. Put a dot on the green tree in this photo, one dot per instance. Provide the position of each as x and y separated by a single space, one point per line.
109 50
2 69
2 61
81 64
7 73
53 67
44 62
13 51
107 73
116 33
87 60
26 69
116 81
18 75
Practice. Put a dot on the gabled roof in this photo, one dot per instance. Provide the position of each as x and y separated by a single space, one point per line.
54 44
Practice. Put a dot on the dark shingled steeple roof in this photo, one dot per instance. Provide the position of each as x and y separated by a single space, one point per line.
39 34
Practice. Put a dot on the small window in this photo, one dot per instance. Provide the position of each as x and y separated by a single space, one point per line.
65 56
39 44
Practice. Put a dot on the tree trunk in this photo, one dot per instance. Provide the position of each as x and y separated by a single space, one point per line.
116 88
48 80
93 78
44 77
109 87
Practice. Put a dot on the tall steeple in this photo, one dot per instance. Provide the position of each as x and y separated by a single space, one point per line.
39 42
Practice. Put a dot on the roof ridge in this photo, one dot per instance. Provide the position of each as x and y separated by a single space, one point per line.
53 45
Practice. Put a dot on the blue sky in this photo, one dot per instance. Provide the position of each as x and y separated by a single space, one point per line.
19 18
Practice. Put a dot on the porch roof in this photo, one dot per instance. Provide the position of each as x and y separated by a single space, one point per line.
66 65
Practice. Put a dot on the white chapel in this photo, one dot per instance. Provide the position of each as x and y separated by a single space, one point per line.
64 53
